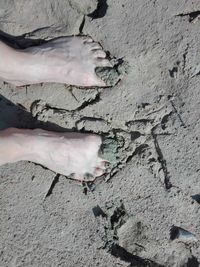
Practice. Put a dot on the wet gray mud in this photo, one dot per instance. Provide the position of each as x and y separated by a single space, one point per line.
111 76
145 210
114 226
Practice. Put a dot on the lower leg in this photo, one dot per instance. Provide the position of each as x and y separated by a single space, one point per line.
14 146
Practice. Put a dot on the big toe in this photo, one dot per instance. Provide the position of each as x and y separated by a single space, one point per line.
99 82
102 62
98 172
87 39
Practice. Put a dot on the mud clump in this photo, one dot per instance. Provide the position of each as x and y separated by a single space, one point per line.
85 7
110 149
111 76
134 242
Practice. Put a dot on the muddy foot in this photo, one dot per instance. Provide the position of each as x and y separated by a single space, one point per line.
69 153
70 60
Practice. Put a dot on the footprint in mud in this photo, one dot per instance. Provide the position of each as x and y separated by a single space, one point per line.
121 228
135 242
122 235
109 219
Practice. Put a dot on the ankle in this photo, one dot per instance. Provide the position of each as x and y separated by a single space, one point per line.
14 146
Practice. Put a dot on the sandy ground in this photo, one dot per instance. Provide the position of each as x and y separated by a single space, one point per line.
146 211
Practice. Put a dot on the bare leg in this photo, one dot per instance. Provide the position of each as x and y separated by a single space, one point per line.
64 153
70 60
12 63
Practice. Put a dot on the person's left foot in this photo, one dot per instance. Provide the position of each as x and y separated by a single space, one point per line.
70 60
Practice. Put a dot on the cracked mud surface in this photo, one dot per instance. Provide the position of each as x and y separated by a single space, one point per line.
145 210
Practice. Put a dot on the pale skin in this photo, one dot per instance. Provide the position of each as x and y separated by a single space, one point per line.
70 60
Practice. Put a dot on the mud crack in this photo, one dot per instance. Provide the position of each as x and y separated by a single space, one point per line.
162 162
53 184
192 16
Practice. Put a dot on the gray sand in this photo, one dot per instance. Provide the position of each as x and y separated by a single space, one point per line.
146 210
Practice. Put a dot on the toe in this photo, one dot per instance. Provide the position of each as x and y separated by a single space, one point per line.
95 46
103 63
102 165
98 82
87 39
98 172
78 177
99 54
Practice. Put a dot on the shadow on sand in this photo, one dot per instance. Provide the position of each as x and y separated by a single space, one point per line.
14 115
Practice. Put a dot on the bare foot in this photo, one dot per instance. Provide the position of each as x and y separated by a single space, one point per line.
68 153
70 60
64 153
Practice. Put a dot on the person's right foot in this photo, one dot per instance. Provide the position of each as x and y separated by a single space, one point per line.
65 153
68 153
70 60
